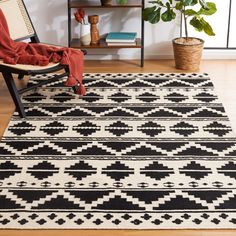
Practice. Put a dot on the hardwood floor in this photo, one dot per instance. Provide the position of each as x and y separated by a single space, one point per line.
223 74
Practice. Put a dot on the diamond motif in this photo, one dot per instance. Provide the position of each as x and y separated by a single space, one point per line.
80 170
119 128
34 97
184 129
195 170
91 97
217 129
117 171
119 97
176 97
156 171
228 170
79 222
63 97
54 128
22 128
205 97
151 129
147 97
8 169
86 128
43 170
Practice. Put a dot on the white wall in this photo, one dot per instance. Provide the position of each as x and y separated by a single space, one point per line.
232 39
50 20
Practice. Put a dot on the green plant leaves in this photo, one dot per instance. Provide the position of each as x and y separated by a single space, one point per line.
209 10
207 28
195 22
189 2
179 6
203 4
166 11
168 15
201 25
152 14
190 12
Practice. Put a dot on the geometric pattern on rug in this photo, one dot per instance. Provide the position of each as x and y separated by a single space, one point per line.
139 151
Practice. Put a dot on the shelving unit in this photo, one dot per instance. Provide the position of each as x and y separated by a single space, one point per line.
75 42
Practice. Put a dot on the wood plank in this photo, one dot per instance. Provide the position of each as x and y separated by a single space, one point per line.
5 119
75 43
117 232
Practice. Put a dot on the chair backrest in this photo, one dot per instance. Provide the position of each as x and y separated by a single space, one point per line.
19 22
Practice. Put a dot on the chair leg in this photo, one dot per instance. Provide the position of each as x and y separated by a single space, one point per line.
20 76
14 93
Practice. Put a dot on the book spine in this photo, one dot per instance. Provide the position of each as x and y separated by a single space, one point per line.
121 44
120 40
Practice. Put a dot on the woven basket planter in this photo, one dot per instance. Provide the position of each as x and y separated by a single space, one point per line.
188 56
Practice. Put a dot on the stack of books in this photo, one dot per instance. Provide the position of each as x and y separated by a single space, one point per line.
121 39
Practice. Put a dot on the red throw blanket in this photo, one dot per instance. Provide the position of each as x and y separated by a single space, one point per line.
12 52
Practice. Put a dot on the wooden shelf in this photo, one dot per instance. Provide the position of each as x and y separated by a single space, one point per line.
96 4
75 43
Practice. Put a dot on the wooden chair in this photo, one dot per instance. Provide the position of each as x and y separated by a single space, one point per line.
21 28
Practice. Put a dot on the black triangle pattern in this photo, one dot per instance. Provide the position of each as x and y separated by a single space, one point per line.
58 203
21 145
211 195
89 196
32 195
119 146
7 203
148 196
180 203
118 203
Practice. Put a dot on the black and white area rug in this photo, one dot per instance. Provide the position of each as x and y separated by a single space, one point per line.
139 151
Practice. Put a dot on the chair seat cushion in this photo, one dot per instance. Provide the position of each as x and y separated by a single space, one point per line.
29 67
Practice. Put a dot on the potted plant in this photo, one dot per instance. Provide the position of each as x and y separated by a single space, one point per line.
187 50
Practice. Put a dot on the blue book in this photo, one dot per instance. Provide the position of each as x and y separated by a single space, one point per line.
119 37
